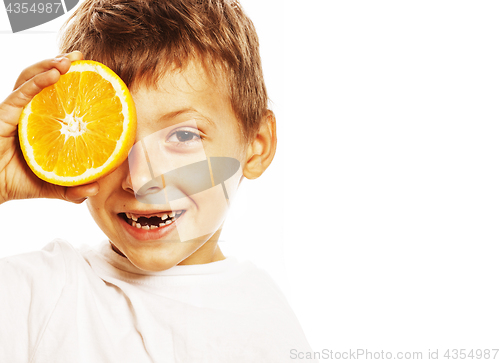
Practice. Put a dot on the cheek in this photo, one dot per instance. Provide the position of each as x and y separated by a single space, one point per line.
109 186
206 217
92 205
102 216
238 150
95 208
97 205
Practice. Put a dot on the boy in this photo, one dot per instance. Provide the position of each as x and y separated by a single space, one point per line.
153 292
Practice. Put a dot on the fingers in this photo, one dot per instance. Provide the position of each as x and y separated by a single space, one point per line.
73 56
75 195
62 63
80 193
11 108
31 81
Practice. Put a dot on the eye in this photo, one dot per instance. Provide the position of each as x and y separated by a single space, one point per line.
185 137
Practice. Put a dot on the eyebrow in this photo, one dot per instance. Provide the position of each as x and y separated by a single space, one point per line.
176 113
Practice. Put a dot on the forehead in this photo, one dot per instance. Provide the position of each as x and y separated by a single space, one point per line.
190 88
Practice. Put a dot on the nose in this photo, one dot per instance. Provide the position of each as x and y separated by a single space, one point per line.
140 173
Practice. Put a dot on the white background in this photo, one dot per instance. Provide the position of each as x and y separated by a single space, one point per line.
379 216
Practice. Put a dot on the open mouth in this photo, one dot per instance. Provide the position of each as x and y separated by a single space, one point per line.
151 221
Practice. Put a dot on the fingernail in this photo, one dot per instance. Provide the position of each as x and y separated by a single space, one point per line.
58 59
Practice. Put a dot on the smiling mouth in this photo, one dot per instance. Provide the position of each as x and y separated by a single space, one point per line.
151 222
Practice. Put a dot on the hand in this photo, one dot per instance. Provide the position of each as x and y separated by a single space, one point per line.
17 181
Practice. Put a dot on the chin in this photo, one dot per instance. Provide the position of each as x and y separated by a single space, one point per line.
153 266
152 261
157 267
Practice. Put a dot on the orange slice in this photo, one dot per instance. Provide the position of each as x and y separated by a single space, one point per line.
79 129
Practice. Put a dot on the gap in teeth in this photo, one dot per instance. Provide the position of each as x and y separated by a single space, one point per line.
163 216
166 219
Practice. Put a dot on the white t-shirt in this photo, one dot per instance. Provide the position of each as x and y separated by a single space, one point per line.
61 304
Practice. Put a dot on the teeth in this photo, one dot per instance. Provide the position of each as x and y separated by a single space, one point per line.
168 218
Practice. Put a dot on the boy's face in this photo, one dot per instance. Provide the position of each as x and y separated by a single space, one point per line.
184 122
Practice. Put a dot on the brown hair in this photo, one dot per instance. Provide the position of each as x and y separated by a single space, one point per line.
143 39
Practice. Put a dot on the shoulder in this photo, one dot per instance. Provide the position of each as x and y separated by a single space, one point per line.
254 290
31 286
257 303
33 282
44 269
53 255
258 287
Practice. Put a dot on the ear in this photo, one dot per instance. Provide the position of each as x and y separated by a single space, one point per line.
261 150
